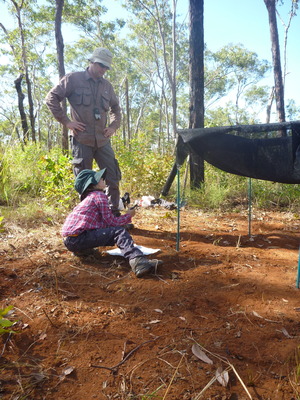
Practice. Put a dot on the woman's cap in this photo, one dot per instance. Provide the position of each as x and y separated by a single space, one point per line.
88 177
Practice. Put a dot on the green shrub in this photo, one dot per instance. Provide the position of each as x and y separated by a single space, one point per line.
20 175
57 187
46 176
30 171
231 192
5 323
144 170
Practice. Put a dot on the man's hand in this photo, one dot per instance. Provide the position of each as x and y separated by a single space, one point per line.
108 132
75 126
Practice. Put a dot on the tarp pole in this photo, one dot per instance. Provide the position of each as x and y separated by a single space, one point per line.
249 205
178 208
298 274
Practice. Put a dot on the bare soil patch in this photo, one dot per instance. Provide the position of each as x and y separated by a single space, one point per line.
89 329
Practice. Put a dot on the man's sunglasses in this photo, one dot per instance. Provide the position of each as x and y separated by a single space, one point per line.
102 65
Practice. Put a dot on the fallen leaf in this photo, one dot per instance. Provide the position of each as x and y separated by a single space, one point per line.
222 376
200 354
68 370
256 314
43 336
266 319
286 334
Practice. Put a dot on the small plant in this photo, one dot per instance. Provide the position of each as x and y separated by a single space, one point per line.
294 374
153 395
2 228
5 323
58 179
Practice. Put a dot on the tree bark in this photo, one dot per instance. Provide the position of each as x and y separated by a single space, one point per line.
127 111
196 85
26 71
21 96
181 155
279 90
61 63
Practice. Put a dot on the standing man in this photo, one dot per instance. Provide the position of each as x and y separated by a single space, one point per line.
91 99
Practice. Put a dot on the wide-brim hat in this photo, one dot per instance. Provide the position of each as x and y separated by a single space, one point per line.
88 177
103 56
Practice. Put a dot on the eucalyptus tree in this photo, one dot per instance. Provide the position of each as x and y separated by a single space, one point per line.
279 75
278 79
234 71
196 104
157 37
294 5
61 61
24 38
196 51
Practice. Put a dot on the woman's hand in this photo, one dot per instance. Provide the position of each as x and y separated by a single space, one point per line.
131 212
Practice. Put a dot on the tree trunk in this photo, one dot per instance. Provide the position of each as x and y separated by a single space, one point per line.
127 111
26 71
196 99
61 63
173 86
196 85
269 106
181 155
279 90
18 86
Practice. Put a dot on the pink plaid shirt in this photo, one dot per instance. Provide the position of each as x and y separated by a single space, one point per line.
92 213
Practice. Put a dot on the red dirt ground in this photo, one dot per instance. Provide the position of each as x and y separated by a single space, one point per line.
89 329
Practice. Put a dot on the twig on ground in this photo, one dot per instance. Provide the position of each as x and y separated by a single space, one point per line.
115 367
18 309
5 344
171 381
48 318
116 280
238 244
88 270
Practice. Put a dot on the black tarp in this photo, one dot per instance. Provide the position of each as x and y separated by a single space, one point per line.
274 159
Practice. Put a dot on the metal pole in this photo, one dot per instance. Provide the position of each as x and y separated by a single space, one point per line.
178 209
298 274
249 205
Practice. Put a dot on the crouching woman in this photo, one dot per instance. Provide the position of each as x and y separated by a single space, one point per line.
92 224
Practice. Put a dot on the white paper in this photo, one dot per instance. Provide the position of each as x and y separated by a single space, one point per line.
145 250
